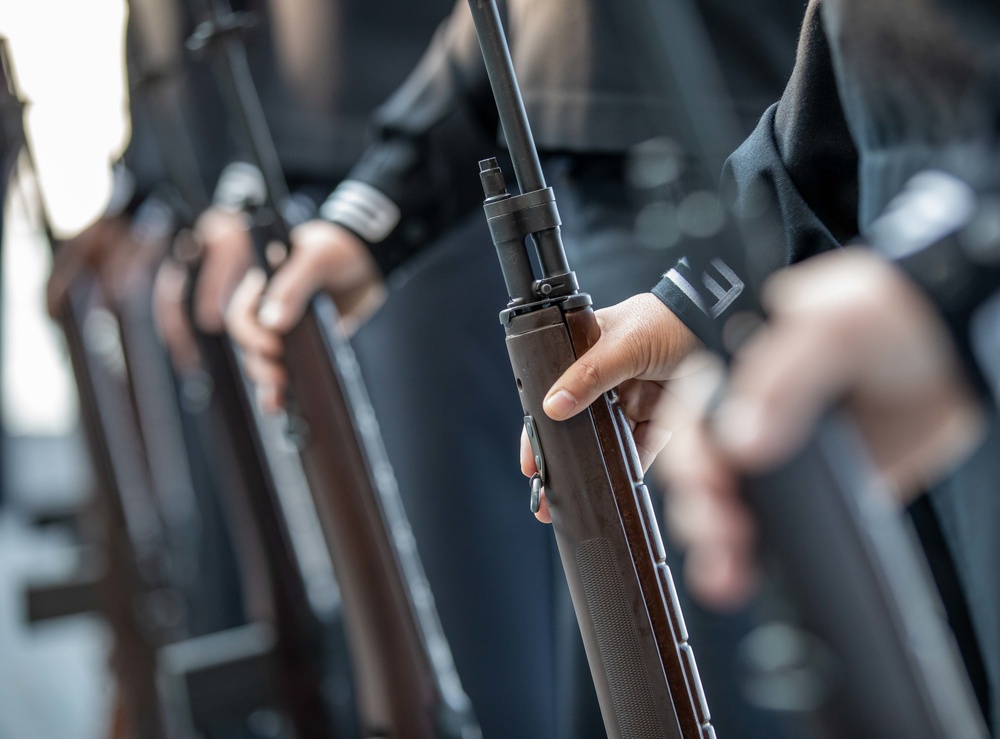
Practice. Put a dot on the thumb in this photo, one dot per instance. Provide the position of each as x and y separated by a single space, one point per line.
603 367
289 291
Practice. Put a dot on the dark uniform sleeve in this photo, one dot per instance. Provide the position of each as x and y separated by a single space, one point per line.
931 195
419 176
140 170
793 185
179 132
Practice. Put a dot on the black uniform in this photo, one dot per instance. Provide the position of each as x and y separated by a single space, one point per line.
882 93
495 571
321 68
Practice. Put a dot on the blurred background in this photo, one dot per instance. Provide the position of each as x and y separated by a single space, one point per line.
68 55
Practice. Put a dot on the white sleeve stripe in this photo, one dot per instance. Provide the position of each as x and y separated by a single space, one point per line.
724 296
686 287
728 296
714 287
363 209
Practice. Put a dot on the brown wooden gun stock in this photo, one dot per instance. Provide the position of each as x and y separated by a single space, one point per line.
633 630
277 593
307 640
131 577
406 681
398 691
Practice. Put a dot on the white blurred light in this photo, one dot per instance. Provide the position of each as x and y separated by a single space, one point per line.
68 57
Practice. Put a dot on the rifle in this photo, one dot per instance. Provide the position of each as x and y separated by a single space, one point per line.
633 630
133 592
876 656
406 678
307 653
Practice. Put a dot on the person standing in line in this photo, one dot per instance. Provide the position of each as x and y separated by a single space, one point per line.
408 215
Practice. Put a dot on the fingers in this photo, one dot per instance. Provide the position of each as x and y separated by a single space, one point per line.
606 365
358 305
650 437
242 321
543 513
89 249
261 310
323 256
640 339
170 316
595 373
804 360
705 515
841 325
528 467
270 399
783 380
639 399
260 347
265 372
724 577
227 255
290 290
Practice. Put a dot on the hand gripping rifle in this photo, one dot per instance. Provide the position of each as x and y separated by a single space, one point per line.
293 673
633 629
403 668
873 656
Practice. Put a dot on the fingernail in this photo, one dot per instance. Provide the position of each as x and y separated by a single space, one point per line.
739 424
269 314
559 404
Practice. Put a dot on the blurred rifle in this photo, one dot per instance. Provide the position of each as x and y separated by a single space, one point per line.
306 654
633 630
407 682
875 656
133 594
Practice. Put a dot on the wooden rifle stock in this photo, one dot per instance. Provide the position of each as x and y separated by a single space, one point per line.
154 400
401 691
132 570
406 681
637 645
309 657
265 539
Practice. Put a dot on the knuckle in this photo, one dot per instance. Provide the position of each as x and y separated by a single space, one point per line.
589 375
636 353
